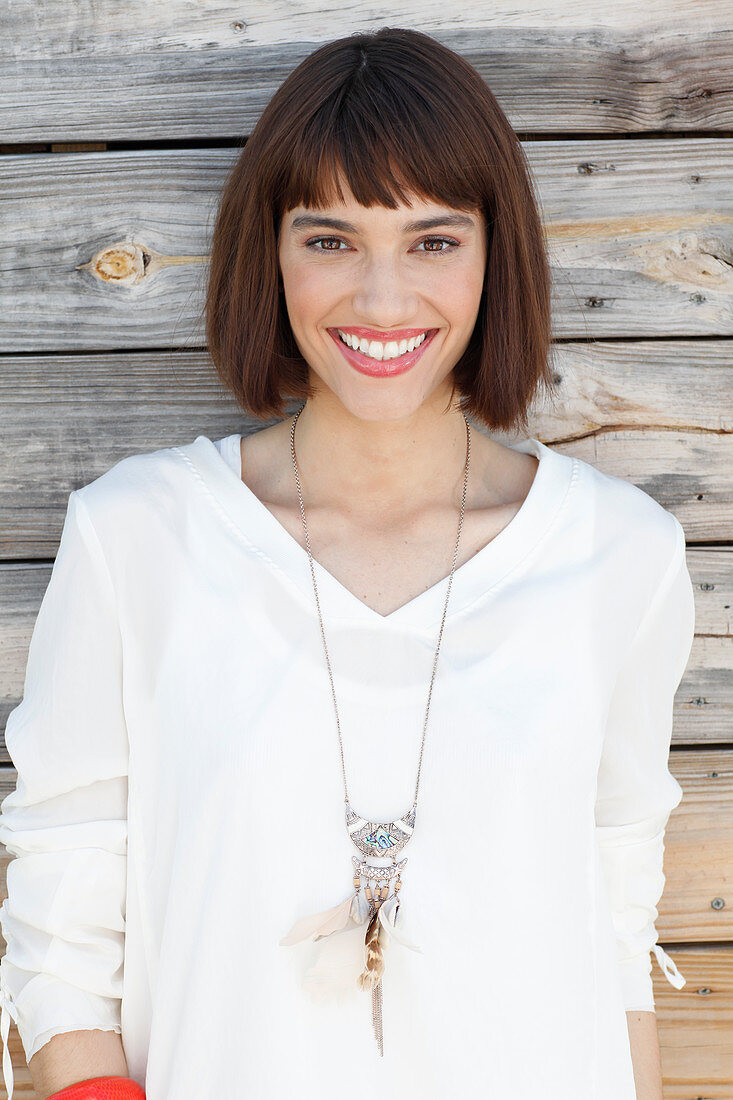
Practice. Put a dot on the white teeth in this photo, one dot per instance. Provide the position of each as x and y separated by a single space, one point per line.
377 350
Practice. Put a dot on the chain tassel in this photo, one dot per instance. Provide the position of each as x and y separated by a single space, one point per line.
377 1016
371 975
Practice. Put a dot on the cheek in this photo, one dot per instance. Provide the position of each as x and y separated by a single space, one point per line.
308 292
459 292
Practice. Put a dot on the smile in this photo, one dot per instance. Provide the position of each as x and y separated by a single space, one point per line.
392 349
379 358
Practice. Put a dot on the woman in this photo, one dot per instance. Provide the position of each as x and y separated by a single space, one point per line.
349 737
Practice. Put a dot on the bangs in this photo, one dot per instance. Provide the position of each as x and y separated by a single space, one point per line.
386 143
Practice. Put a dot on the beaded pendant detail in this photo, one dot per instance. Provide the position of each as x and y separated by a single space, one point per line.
351 954
378 839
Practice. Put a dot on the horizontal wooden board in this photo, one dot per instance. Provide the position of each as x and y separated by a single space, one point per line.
658 413
111 248
697 903
208 70
178 26
688 473
695 1024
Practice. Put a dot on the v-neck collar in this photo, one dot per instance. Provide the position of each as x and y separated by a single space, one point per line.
473 580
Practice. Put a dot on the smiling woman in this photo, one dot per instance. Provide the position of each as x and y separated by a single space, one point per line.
185 873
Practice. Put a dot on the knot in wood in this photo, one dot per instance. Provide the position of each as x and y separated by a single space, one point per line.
124 263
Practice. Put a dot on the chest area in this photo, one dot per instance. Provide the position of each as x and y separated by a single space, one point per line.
387 564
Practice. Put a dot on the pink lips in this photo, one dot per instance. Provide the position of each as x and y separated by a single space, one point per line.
385 368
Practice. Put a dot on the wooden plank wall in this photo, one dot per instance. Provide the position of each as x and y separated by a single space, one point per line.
118 124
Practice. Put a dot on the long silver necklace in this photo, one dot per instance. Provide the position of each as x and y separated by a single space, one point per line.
376 907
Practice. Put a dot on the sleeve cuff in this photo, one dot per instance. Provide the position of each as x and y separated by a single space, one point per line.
47 1006
636 978
636 983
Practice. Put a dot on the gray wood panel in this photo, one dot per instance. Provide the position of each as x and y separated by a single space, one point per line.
659 413
212 80
109 250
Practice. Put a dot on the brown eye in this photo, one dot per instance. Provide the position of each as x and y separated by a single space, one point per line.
429 242
328 240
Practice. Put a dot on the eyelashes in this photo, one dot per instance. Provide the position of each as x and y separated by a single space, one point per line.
452 245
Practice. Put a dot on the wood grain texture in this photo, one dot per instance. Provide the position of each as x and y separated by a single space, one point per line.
106 28
111 248
696 1024
207 70
697 903
657 413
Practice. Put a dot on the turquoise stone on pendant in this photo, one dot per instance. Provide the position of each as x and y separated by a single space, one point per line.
381 839
376 838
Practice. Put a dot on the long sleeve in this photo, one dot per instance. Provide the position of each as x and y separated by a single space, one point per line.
636 791
66 821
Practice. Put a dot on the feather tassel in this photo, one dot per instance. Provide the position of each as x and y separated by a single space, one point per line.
320 924
388 914
373 956
338 960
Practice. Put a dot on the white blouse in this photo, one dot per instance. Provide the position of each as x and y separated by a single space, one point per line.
180 802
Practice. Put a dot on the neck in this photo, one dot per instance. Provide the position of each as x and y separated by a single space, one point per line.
381 466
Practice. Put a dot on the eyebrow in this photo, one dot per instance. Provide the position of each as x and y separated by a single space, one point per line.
315 221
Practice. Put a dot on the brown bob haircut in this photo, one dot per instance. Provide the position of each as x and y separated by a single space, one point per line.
392 111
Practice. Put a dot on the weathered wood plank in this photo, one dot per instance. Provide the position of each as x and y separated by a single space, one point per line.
211 71
698 859
659 413
106 28
640 235
604 386
687 473
696 1024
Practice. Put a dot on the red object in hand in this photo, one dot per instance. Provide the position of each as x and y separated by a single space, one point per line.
101 1088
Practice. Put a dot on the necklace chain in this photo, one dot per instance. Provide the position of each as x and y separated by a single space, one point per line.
318 604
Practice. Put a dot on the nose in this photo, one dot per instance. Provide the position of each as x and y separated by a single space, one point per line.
384 297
